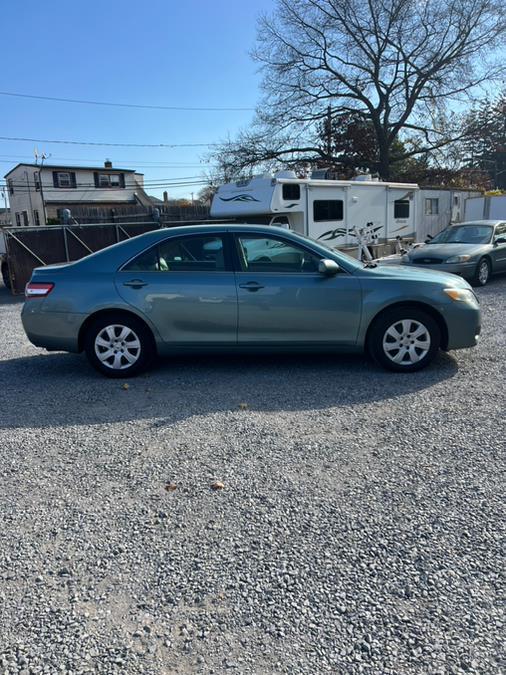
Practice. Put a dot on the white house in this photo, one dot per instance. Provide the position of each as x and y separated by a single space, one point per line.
37 194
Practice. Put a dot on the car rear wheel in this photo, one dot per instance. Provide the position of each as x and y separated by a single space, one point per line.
404 339
482 274
119 346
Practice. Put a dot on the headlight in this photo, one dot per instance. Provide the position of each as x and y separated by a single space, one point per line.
462 295
458 258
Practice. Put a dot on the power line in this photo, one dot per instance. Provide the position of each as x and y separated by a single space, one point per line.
111 145
126 105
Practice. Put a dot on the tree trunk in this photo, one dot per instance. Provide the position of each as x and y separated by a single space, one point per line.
384 160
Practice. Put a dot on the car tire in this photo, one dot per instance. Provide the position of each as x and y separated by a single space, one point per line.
482 273
5 277
404 339
119 346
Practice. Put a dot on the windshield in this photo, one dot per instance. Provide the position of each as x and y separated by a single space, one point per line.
471 233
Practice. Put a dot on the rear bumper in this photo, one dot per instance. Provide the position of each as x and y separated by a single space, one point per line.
54 331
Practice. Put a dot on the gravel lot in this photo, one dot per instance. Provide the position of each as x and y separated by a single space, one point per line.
359 528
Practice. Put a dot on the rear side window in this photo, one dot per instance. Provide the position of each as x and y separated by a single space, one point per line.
327 209
291 191
184 254
401 208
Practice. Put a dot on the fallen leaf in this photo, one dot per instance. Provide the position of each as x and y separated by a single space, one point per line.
125 386
170 487
217 485
243 406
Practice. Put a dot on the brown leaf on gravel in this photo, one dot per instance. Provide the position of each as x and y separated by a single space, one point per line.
170 487
125 386
243 406
217 485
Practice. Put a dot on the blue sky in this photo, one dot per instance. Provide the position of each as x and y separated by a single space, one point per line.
160 52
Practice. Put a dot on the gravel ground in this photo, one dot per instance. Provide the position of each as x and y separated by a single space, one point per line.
358 530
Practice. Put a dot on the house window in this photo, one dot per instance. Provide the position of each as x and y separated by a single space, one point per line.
10 186
327 209
401 208
64 179
18 219
431 207
36 218
36 180
110 180
25 218
291 191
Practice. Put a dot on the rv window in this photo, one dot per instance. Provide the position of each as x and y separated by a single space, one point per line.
18 219
291 191
327 209
401 208
431 207
25 218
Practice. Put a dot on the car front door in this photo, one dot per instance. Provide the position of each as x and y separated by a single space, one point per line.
284 300
186 286
499 250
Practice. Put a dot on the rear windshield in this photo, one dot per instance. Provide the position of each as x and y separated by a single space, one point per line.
464 234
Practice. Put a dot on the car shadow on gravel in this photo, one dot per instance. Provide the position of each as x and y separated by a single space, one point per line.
59 390
6 297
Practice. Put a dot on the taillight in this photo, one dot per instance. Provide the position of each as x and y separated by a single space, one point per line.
37 290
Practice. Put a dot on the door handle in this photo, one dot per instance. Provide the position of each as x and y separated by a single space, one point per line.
251 286
135 283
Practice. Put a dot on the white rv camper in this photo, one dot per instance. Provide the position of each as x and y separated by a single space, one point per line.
330 210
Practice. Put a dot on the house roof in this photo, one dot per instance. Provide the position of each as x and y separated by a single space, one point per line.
72 168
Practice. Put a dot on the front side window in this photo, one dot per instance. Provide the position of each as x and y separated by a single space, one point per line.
291 191
265 254
327 209
431 207
184 254
401 208
500 231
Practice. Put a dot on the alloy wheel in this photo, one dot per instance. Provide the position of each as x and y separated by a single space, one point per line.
483 272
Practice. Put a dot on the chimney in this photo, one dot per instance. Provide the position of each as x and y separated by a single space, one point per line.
108 164
165 197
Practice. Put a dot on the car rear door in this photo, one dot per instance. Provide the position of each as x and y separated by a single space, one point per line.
284 300
186 286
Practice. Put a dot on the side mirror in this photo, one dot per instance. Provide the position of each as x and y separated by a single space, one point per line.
500 240
328 267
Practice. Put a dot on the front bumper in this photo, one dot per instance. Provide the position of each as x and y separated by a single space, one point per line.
465 270
463 323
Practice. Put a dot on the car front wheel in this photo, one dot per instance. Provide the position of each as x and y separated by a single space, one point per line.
119 346
404 339
482 274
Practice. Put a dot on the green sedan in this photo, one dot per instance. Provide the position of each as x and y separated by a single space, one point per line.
474 250
244 288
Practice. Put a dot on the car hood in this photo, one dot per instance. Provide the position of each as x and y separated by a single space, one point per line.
411 273
444 251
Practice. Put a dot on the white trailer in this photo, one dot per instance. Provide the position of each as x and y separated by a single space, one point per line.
330 210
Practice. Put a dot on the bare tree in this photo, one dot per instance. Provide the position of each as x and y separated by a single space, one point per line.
404 65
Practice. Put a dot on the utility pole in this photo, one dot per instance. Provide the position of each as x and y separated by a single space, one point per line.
42 189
